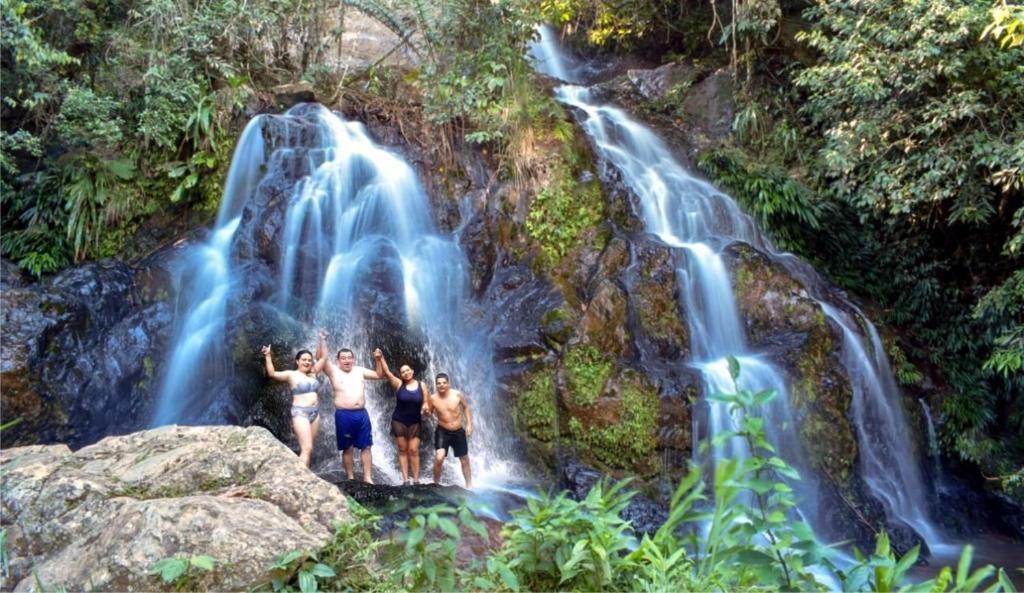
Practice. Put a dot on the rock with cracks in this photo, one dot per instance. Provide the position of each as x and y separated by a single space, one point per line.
101 517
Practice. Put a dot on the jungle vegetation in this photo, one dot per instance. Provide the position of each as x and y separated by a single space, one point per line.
882 140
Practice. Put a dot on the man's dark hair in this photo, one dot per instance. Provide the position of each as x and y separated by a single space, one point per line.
442 376
338 355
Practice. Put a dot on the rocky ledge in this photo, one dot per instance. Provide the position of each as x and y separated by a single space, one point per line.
100 517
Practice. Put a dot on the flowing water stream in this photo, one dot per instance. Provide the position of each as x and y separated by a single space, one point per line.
693 216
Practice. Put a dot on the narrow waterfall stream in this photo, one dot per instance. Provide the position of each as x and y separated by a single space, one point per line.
198 359
690 214
360 256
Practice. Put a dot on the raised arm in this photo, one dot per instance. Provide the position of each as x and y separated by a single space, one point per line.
323 358
269 361
469 416
378 372
394 381
321 354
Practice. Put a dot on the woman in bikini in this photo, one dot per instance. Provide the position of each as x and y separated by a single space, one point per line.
304 386
412 403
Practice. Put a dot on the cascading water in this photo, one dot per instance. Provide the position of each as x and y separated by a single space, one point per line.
198 361
692 215
359 256
933 440
360 226
687 216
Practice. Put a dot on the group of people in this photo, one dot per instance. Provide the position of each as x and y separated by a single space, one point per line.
413 402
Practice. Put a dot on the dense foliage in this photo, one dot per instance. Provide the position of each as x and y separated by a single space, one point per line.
115 111
884 141
739 534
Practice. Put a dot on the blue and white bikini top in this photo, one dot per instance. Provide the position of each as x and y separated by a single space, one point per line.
311 386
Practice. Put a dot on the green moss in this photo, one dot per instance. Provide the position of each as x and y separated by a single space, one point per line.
588 371
148 492
627 441
147 366
821 396
534 409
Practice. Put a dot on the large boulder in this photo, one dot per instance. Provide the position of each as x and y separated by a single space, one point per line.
99 518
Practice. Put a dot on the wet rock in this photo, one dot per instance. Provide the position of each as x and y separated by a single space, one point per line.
645 515
710 104
790 325
101 517
481 252
11 276
655 301
79 357
518 302
604 321
966 510
654 84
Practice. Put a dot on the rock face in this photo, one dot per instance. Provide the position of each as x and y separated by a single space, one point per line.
100 517
79 354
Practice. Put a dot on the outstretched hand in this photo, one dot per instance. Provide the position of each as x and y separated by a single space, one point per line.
324 335
266 350
378 354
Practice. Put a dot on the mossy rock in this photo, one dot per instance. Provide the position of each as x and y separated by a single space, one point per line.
534 414
620 431
604 323
769 299
821 396
587 370
655 303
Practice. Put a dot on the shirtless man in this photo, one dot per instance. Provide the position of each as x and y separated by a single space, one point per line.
449 404
351 421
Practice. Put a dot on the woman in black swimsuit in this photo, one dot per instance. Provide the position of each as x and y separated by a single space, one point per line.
304 386
413 401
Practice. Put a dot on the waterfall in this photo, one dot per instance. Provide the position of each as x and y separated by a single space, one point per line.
933 440
362 223
198 360
358 255
546 56
690 214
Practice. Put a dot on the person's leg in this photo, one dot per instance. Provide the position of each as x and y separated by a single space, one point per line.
403 457
303 432
414 458
314 429
466 472
343 435
367 458
438 462
349 463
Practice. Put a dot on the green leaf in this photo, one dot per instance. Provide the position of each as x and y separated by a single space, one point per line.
322 570
448 526
170 569
734 367
415 537
307 582
204 562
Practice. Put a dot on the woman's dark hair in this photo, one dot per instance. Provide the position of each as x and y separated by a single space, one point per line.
301 352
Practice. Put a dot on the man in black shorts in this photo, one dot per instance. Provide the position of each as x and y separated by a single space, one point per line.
449 405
